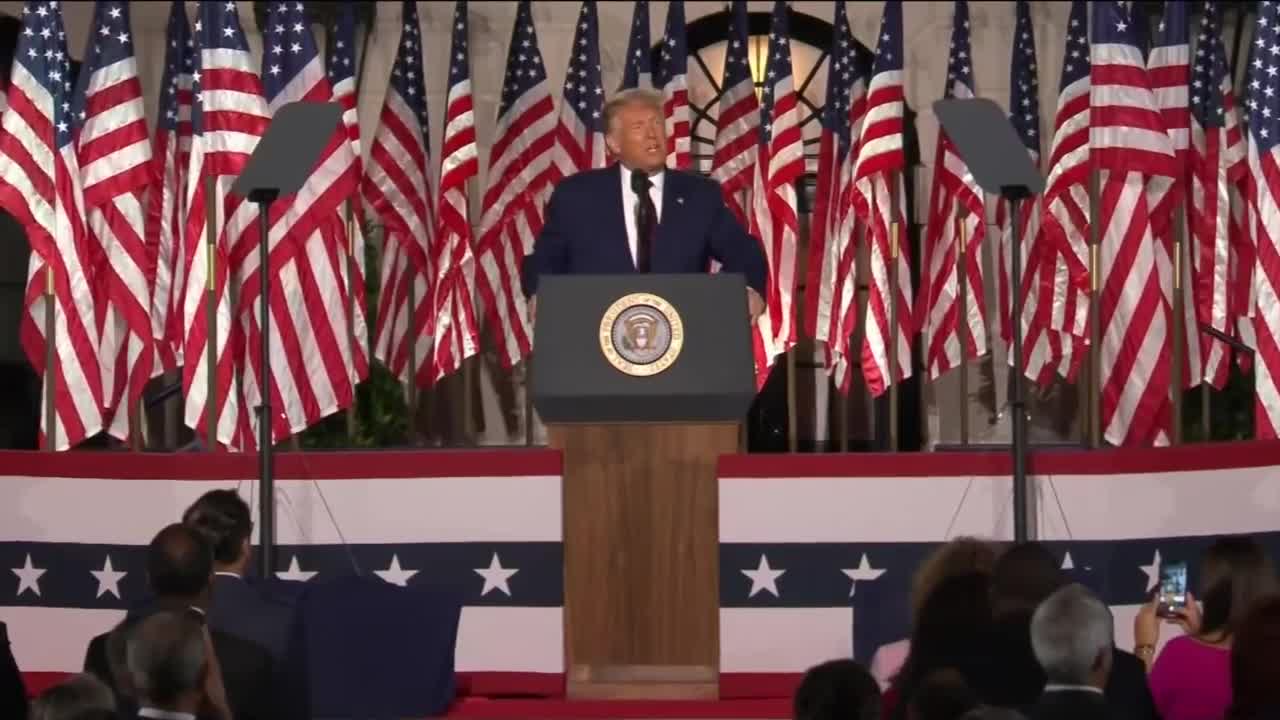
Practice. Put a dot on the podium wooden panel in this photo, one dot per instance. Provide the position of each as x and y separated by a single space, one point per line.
641 563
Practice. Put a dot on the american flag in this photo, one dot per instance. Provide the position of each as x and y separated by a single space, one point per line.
40 186
312 366
1264 167
738 163
229 116
1136 164
1218 165
453 308
776 217
1064 214
638 70
517 186
580 132
831 310
114 151
340 64
1169 68
1037 254
953 237
879 198
397 185
737 144
672 75
166 203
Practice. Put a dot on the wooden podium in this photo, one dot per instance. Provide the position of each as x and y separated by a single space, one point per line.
641 547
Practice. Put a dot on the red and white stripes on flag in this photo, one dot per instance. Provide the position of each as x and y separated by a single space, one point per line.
453 305
1136 164
1169 67
879 199
114 153
229 116
40 187
311 364
166 203
397 185
831 307
733 163
341 66
1218 168
672 76
774 203
1264 177
517 186
953 236
1060 341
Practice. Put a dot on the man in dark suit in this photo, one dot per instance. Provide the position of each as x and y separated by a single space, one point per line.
1072 635
237 607
1023 577
180 573
13 694
639 216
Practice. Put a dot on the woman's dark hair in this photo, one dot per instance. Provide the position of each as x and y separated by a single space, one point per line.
1255 656
950 632
1234 573
837 690
944 695
223 518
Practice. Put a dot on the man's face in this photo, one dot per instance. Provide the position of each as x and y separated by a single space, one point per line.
638 138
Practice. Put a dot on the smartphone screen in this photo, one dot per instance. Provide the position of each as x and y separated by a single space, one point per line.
1173 588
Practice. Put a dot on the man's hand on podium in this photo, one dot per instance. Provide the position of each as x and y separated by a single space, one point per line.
531 308
755 304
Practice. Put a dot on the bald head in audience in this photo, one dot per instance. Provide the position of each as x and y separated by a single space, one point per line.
180 565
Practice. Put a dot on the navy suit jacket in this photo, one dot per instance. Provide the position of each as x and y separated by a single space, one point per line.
243 610
585 232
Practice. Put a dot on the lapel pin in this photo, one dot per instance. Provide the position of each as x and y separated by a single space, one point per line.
679 201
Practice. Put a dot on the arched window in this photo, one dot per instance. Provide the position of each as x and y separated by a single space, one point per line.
706 37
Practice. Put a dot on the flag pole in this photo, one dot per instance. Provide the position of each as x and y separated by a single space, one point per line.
211 316
894 231
50 360
963 327
793 441
412 398
1179 328
351 316
1095 317
842 417
1206 421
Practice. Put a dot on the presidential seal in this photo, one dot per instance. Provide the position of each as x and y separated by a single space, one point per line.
641 334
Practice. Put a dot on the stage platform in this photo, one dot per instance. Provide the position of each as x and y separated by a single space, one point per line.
817 552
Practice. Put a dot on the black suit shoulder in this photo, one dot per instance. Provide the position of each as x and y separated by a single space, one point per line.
586 180
13 693
1071 705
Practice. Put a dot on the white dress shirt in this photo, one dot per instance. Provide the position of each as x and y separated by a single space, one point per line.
629 203
147 712
1054 687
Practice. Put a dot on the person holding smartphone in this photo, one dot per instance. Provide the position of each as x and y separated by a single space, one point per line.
1191 676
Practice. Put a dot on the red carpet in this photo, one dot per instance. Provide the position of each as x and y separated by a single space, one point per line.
540 696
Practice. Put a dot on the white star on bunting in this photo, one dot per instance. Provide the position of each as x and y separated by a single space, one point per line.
108 579
863 572
763 578
1152 571
395 574
295 572
28 577
496 577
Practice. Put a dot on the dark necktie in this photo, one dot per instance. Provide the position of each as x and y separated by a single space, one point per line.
646 219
